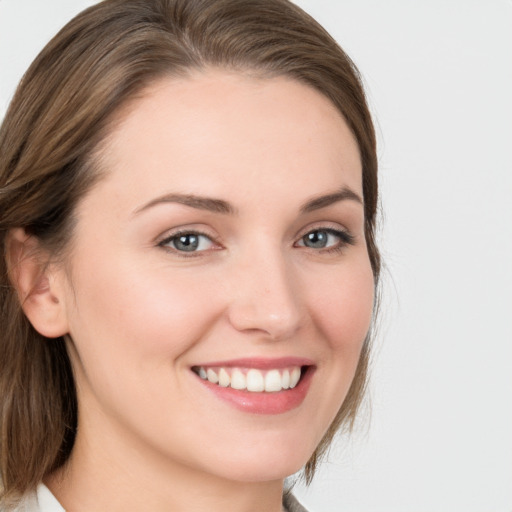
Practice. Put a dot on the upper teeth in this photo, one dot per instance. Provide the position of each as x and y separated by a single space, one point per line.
252 379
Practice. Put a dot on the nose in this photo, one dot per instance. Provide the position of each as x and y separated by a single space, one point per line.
266 297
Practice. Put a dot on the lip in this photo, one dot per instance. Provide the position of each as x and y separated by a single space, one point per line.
263 403
260 363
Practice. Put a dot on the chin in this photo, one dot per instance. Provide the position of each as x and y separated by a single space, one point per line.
262 470
263 462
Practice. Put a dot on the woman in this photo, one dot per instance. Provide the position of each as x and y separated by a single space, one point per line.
188 200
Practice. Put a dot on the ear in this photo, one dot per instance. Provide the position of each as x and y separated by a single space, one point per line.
38 283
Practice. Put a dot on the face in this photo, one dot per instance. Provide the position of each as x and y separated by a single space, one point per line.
219 289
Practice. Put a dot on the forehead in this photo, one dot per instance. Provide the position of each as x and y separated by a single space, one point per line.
216 128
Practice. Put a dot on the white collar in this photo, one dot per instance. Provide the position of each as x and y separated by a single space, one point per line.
41 500
47 501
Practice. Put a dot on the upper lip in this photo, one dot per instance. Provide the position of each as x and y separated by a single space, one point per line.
260 363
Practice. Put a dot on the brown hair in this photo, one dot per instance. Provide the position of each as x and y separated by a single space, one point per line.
54 126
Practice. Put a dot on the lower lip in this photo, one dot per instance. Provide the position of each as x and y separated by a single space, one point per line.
277 402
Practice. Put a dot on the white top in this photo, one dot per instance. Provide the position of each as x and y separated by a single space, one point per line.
42 500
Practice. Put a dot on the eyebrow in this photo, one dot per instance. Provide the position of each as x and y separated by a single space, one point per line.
327 200
220 206
199 202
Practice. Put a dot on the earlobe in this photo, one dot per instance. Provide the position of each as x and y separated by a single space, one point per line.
40 294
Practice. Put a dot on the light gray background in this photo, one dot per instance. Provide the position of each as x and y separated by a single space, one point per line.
439 78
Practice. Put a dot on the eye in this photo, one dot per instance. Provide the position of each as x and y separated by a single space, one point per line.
326 239
188 242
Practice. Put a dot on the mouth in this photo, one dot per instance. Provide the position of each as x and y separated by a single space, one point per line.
258 386
253 380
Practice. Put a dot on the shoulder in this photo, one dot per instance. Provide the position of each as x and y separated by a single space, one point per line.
291 504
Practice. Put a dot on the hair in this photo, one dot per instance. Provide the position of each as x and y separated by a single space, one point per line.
63 109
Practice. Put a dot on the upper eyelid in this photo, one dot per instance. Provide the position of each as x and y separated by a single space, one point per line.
345 236
183 230
178 234
326 225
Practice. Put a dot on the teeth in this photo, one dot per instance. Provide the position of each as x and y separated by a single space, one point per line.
238 380
273 381
286 379
224 379
211 375
254 380
294 377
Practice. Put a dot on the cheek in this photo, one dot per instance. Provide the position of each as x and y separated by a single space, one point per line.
341 306
131 331
142 317
344 307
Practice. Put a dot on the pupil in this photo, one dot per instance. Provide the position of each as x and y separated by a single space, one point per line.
187 243
316 239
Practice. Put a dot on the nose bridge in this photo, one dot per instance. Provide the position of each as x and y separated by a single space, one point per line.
266 297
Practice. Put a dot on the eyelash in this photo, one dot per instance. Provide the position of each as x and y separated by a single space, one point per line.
345 239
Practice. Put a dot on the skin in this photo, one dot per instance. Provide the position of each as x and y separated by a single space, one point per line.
139 315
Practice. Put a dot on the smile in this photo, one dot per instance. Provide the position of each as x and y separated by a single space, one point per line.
258 386
253 380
